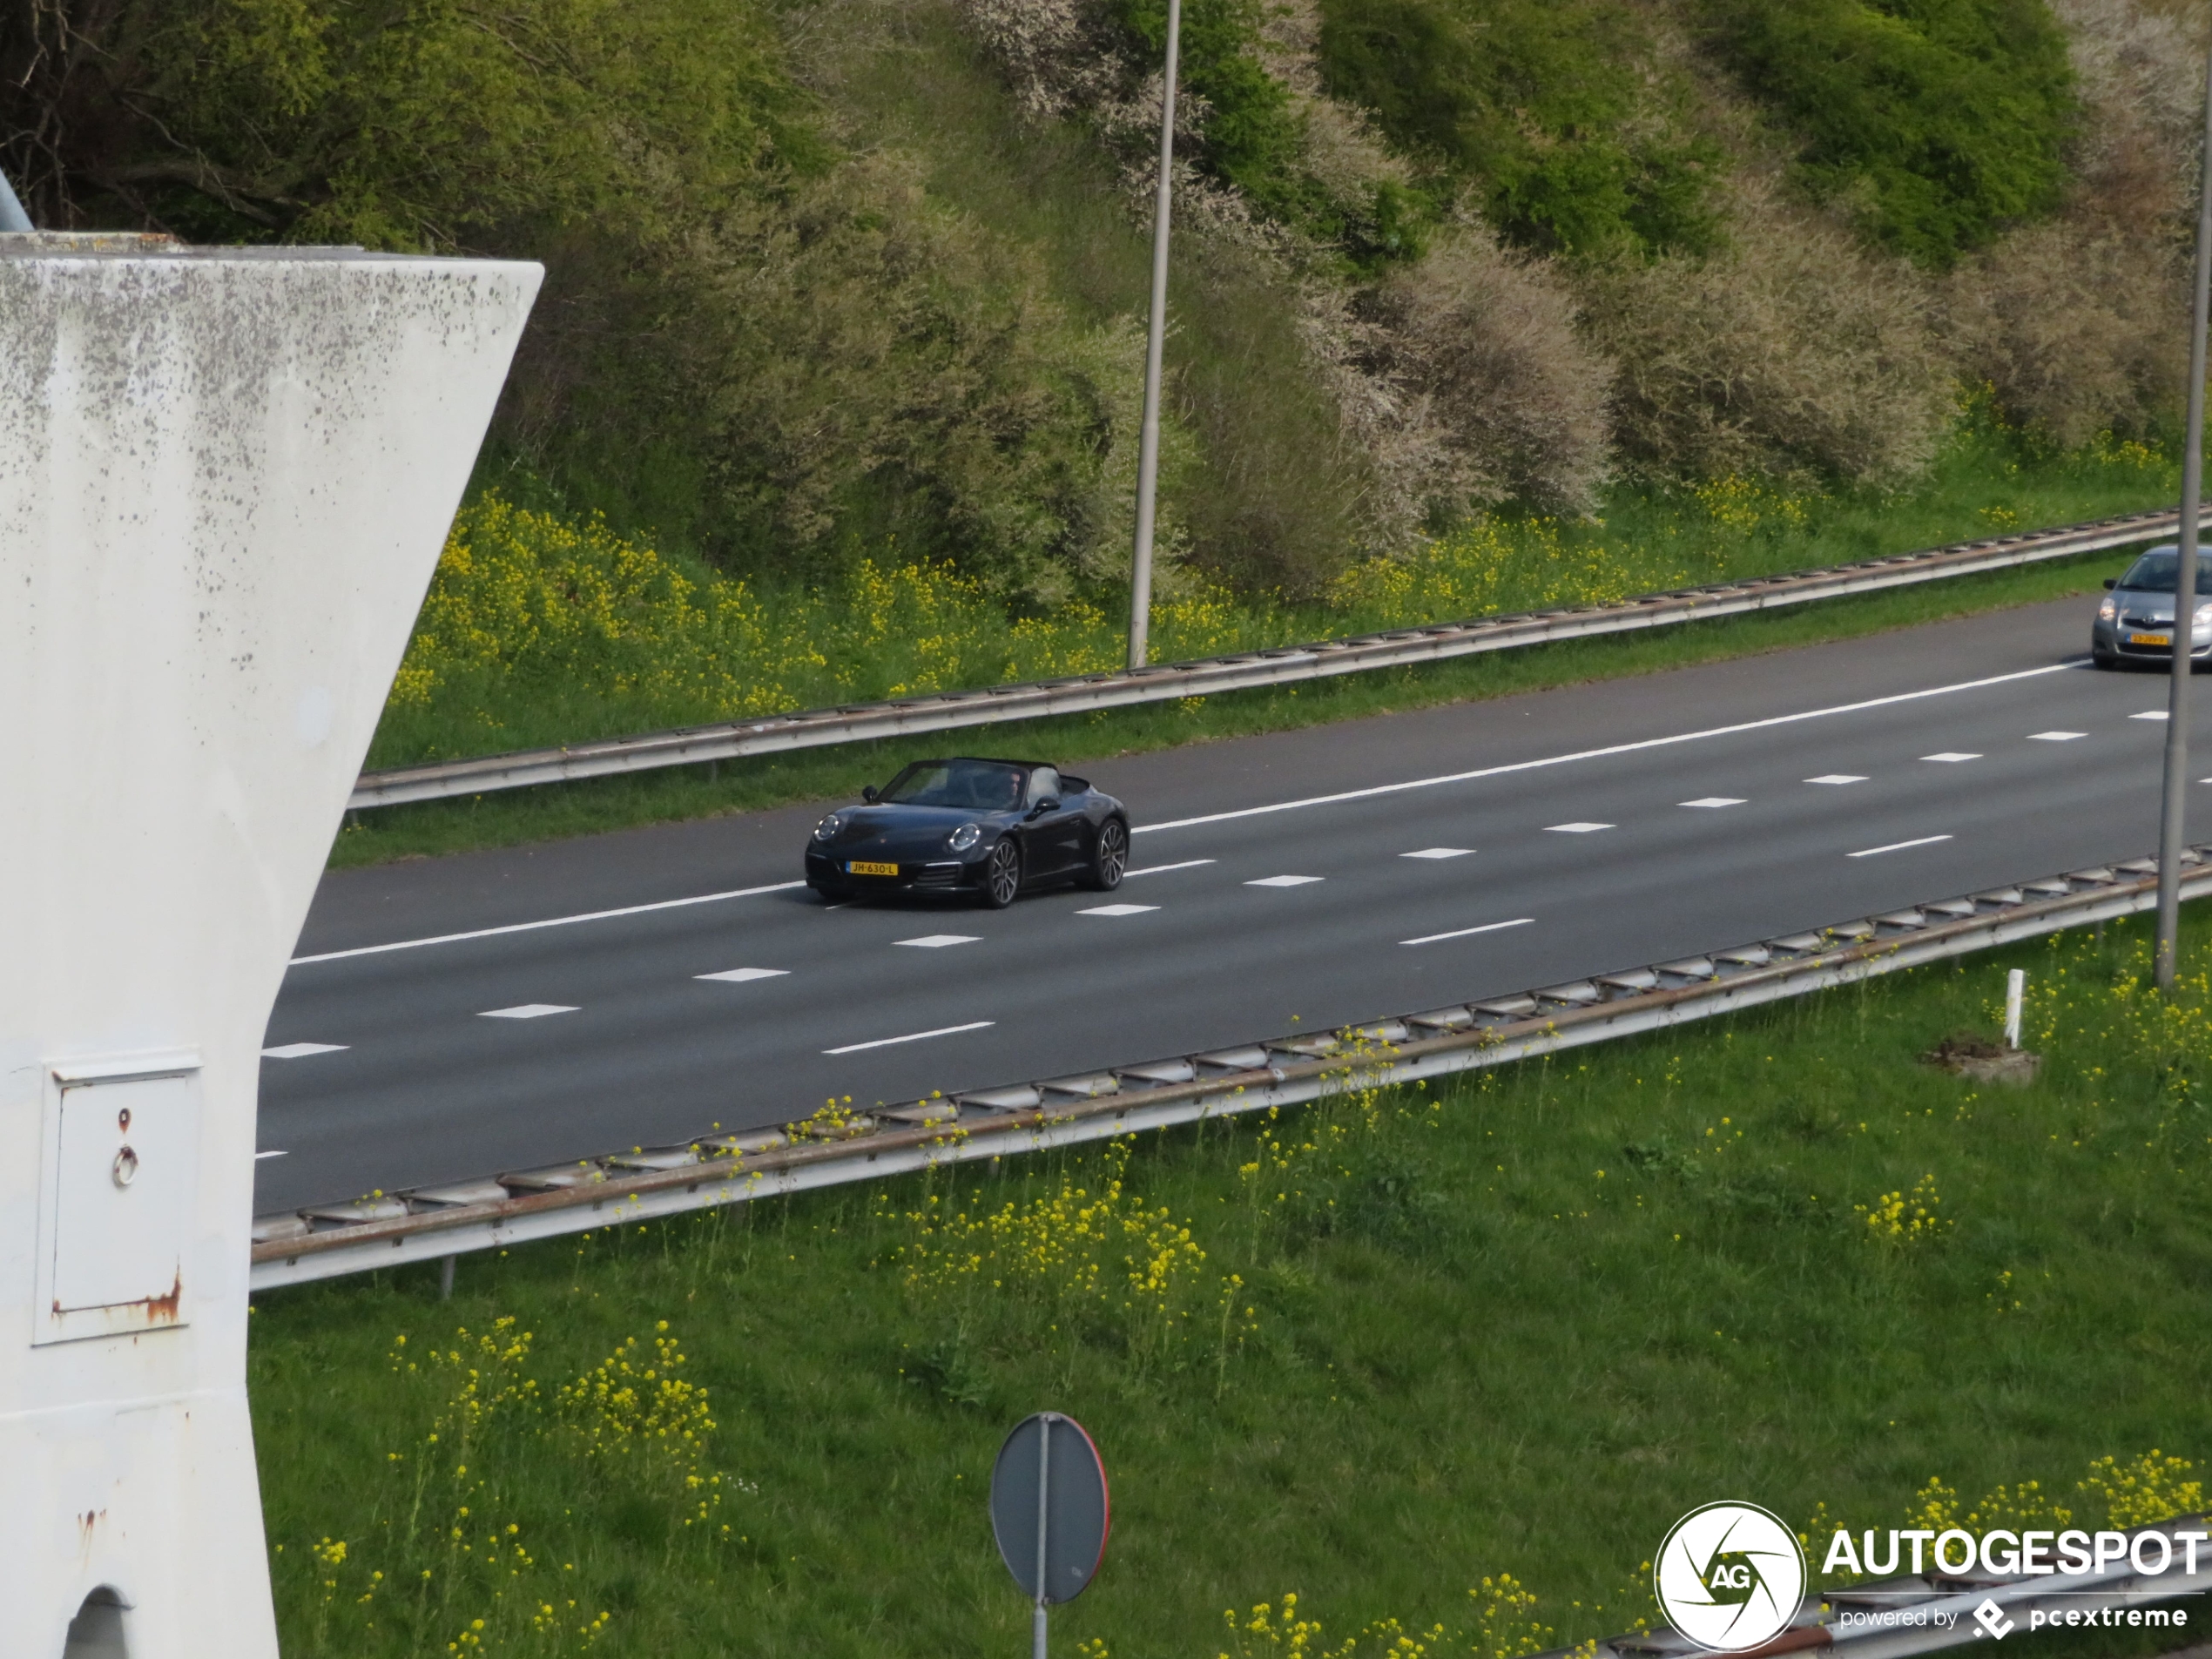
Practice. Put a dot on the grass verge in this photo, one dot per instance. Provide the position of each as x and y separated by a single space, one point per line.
1375 1352
514 817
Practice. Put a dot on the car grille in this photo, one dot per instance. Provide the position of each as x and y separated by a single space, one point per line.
937 875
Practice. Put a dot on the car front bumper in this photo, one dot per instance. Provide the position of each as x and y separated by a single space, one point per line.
2119 638
829 873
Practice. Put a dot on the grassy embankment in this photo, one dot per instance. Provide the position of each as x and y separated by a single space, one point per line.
541 631
1373 1352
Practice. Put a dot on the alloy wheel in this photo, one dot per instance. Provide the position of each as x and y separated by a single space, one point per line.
1002 876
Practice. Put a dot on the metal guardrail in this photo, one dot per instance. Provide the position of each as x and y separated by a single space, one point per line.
1926 1613
718 1168
1397 648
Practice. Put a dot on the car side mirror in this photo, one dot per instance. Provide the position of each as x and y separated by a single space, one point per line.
868 794
2112 582
1049 804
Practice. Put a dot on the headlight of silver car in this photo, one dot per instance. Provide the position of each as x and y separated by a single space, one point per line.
2108 610
2204 615
964 837
827 829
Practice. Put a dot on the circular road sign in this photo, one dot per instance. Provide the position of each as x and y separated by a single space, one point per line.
1049 1507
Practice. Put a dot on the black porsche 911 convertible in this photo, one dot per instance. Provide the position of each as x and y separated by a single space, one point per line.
989 828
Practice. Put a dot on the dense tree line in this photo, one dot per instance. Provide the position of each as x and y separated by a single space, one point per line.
1442 255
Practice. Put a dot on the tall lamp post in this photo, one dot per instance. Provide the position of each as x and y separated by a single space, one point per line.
2173 813
1148 449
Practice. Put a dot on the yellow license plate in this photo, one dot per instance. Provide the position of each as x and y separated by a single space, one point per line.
859 866
2150 639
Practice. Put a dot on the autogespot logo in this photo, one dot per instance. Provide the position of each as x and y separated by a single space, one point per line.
1730 1577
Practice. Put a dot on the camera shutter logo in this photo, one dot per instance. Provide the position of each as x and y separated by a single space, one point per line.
1730 1577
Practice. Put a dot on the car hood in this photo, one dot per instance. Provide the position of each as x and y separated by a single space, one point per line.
907 830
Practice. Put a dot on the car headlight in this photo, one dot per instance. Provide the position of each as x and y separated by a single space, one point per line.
2108 610
827 829
2204 614
968 834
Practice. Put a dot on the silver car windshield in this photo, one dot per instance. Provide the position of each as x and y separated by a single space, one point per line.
2154 572
975 786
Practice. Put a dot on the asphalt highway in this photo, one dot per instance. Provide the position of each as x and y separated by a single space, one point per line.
452 1018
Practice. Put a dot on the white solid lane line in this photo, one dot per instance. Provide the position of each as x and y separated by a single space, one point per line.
257 1156
1950 756
2054 737
1284 880
526 1011
1713 800
1162 869
1439 853
1837 778
550 921
1461 933
911 1036
1576 829
301 1050
1117 910
740 975
1897 846
1610 750
938 942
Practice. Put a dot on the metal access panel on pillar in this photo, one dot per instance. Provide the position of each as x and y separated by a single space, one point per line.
119 1169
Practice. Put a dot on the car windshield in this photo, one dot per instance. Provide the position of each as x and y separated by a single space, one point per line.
2154 572
980 786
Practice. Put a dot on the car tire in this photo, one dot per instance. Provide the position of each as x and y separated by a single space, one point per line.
1108 857
1002 883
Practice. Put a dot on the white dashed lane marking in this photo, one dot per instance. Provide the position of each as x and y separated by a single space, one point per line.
1284 880
938 942
2054 737
911 1036
301 1050
526 1011
1439 853
1837 778
257 1156
1712 801
1616 749
1162 869
1897 846
1951 757
1576 829
1117 910
2149 714
1463 932
739 975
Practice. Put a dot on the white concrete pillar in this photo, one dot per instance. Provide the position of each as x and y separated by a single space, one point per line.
225 478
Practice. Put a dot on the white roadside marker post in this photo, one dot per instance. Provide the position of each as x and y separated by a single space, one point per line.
2015 989
229 475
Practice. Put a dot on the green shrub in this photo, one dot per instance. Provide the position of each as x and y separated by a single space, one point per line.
1940 120
1548 107
412 124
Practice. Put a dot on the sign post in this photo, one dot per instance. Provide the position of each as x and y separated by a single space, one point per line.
1050 1513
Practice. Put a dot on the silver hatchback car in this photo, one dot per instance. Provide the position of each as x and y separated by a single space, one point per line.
2136 621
